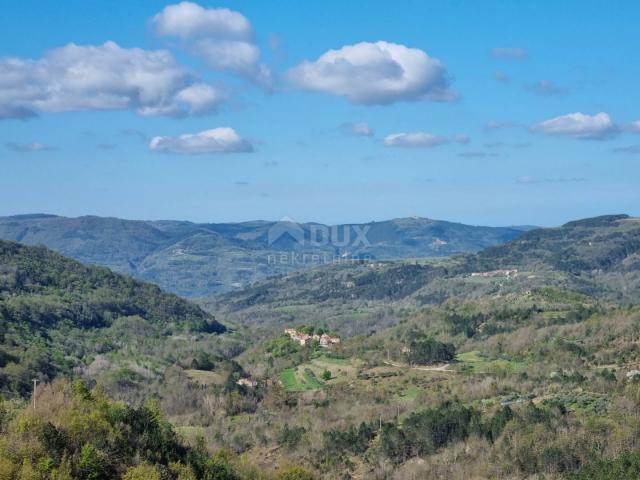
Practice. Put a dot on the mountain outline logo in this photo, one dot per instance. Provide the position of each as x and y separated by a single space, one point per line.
285 226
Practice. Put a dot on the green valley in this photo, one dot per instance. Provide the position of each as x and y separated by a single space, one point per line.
519 361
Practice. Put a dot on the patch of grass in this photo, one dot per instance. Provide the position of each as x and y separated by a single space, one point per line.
299 379
204 377
307 376
474 362
409 394
288 379
310 380
333 360
470 357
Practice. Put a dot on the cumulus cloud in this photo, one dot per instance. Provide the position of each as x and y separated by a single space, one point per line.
375 73
578 125
217 140
187 19
223 38
102 77
28 147
361 129
200 98
509 53
545 88
421 139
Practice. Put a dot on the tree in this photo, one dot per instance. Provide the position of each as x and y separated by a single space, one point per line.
142 472
294 473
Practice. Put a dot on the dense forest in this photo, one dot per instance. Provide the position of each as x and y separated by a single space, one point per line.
46 298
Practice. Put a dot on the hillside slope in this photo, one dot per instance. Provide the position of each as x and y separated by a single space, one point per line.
193 259
46 299
599 257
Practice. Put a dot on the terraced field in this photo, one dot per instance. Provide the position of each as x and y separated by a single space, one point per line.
474 362
308 376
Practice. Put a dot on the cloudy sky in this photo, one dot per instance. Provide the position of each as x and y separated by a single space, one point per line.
484 112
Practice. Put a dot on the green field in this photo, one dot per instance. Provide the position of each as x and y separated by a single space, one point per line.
474 362
204 377
307 376
299 380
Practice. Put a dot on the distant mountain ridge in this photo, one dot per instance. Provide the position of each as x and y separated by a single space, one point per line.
200 259
599 257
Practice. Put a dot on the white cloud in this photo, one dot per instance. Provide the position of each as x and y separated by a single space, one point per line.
28 147
509 53
188 19
421 139
361 129
217 140
201 98
235 56
102 77
375 73
223 38
579 125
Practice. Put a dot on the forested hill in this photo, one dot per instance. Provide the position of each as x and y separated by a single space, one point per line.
603 244
599 257
44 296
198 259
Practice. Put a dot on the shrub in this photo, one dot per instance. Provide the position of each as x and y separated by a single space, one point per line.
142 472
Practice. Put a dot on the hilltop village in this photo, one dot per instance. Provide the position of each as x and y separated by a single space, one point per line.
305 335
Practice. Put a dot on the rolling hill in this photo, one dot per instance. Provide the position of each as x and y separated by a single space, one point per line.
598 257
199 259
55 313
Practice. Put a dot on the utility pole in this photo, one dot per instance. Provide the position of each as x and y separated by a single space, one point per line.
35 384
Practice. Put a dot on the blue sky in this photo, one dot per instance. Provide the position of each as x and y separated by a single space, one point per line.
526 117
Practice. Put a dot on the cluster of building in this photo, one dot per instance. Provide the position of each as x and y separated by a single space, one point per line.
496 273
247 382
324 340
